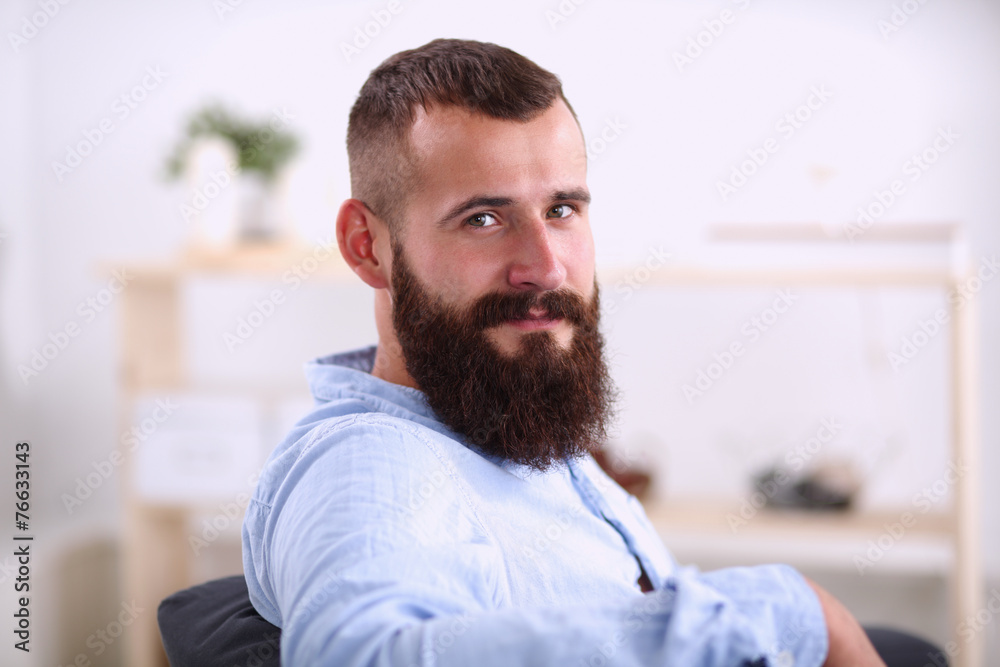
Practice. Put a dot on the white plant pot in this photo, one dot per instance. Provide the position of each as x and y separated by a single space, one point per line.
260 215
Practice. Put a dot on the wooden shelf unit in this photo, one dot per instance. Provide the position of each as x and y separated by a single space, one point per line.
959 529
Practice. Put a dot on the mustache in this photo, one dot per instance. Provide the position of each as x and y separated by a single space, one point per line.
497 308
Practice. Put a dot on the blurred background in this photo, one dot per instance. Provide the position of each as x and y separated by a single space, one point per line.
796 219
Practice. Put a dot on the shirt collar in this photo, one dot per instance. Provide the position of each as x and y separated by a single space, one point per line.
347 375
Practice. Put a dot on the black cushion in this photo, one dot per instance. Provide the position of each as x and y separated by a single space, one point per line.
215 625
901 649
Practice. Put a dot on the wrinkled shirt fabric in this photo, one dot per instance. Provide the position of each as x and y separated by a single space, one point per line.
378 536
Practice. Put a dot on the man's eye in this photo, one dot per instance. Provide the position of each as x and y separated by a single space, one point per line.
482 220
560 211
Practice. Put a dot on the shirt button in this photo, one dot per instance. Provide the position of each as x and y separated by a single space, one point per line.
784 659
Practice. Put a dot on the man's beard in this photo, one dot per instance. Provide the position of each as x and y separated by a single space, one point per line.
535 407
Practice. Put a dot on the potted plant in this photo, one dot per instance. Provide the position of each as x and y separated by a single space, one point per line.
259 150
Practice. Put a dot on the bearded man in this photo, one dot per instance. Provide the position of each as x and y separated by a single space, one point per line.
440 505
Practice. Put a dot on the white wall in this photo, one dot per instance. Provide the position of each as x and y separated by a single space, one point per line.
655 185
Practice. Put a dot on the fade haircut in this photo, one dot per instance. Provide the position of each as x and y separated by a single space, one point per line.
478 76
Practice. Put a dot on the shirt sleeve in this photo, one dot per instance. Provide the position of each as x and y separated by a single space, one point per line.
338 558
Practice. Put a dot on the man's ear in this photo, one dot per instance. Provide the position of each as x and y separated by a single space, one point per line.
364 243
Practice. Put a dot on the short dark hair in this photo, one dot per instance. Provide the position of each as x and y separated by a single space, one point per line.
478 76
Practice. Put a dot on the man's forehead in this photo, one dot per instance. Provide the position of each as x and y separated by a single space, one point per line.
466 154
442 126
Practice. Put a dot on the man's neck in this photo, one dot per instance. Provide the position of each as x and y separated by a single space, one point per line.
391 366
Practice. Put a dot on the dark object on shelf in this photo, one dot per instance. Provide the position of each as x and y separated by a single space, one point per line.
634 480
820 490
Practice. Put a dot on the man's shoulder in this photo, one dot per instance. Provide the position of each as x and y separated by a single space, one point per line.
360 443
369 434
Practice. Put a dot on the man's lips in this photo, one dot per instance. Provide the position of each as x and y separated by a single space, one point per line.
537 319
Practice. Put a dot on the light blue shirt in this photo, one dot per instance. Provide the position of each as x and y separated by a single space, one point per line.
377 536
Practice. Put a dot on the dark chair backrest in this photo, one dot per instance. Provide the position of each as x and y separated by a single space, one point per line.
214 624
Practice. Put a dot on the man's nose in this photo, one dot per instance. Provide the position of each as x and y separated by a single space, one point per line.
536 262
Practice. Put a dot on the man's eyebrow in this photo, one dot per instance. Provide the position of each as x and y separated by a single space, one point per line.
483 201
576 194
478 201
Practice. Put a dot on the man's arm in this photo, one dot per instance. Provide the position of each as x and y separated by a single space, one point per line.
354 577
849 645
